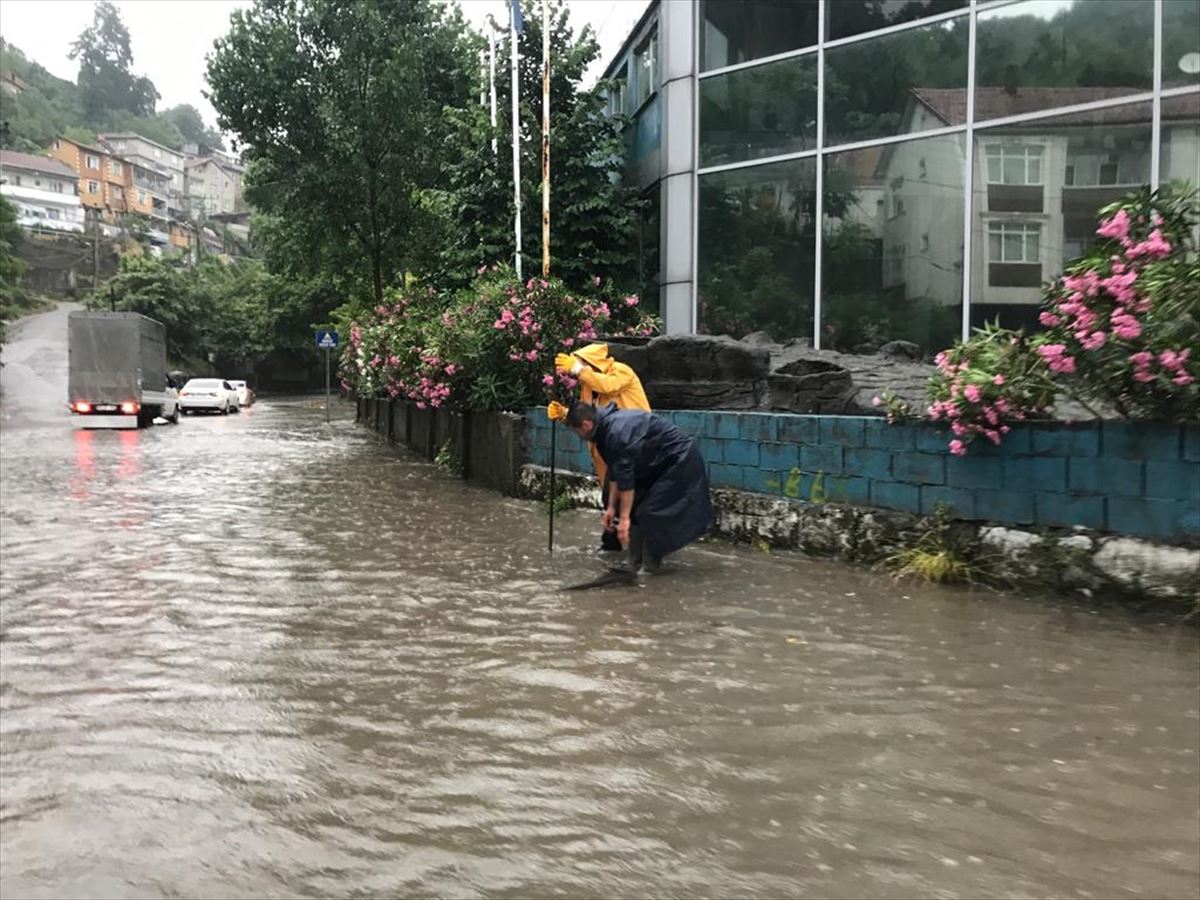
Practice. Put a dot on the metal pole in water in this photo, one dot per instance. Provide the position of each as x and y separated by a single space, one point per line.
553 494
326 385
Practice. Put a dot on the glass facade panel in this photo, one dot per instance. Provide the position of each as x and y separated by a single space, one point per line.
845 18
893 245
883 86
763 111
1181 43
1025 232
737 31
1042 54
757 249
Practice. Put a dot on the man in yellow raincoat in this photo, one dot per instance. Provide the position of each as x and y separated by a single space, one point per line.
603 381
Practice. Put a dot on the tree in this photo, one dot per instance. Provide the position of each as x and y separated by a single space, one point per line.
105 58
339 106
187 119
12 267
593 218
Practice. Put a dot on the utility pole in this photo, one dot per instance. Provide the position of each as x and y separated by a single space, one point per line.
545 139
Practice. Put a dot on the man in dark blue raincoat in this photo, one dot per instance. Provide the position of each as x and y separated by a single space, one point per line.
661 501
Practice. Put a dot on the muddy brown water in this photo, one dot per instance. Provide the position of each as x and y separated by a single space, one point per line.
255 656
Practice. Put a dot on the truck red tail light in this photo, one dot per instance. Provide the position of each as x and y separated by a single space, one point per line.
82 407
129 409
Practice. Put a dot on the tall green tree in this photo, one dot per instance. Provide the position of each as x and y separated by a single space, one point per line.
339 105
190 123
105 58
594 218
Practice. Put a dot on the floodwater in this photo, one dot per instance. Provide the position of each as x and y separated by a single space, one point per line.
255 657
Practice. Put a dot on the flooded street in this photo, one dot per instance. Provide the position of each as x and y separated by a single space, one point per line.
254 656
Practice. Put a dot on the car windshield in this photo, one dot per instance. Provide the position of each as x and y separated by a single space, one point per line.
203 383
238 384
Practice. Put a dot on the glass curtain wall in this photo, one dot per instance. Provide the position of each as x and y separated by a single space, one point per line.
859 182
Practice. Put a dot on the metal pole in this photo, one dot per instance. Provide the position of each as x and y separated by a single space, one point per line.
553 492
545 139
326 385
492 77
516 141
96 253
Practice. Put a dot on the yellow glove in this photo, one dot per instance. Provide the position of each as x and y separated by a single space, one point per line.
563 362
556 412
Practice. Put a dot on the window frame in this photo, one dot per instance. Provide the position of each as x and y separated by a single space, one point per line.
640 97
1002 230
93 186
1003 151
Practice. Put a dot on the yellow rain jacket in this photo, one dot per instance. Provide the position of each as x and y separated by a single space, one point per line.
602 381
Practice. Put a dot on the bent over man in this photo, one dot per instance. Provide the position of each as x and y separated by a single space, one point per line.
659 497
603 381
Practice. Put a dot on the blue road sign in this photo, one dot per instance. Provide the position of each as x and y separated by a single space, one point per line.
327 340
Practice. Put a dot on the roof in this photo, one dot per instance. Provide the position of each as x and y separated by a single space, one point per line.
950 104
133 136
82 146
634 34
10 159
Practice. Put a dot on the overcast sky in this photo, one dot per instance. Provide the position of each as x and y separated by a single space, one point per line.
171 37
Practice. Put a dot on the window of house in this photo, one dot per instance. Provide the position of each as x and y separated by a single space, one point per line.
118 193
141 196
1014 242
895 198
1109 172
617 92
116 167
92 162
93 187
1014 164
53 214
645 70
57 144
17 180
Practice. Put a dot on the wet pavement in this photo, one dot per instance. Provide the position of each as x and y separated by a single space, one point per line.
258 656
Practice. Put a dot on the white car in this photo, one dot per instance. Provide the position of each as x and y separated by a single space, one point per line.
208 394
244 393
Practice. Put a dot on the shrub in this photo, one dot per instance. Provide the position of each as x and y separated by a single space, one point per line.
1122 328
490 346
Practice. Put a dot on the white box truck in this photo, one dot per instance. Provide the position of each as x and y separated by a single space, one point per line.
117 370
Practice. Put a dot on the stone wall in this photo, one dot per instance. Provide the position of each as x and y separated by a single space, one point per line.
486 448
1115 477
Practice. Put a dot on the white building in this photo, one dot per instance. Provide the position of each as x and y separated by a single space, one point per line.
217 183
44 191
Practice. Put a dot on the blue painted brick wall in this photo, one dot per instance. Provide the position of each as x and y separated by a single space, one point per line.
1127 478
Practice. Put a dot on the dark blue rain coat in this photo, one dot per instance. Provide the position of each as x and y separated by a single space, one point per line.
664 468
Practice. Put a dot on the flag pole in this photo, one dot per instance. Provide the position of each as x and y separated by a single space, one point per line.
515 19
492 76
545 139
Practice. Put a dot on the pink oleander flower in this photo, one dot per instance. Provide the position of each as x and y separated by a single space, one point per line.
1116 227
934 412
568 342
631 300
1144 376
993 436
531 355
1141 360
1049 319
481 270
596 280
548 380
1093 341
1183 379
998 380
958 448
1155 247
877 401
1126 327
972 393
